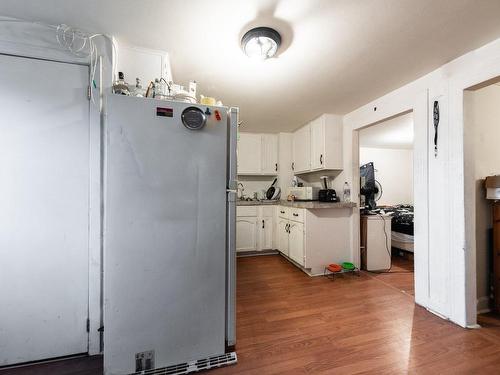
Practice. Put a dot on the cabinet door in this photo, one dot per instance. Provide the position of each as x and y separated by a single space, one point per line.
283 236
266 233
249 153
246 234
318 143
332 142
296 242
270 154
302 149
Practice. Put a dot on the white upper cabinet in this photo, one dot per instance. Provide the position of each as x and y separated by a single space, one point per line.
249 153
318 145
302 149
257 154
269 154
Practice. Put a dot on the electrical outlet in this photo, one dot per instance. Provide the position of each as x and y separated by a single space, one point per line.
145 360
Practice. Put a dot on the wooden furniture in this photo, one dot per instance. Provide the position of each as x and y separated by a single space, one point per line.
375 242
496 255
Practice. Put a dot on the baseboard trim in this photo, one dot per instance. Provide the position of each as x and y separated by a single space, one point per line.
242 254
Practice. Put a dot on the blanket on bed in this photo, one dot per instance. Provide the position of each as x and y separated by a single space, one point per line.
402 217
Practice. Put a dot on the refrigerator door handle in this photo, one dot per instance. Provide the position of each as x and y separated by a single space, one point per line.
232 193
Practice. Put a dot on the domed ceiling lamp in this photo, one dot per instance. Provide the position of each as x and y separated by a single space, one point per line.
261 43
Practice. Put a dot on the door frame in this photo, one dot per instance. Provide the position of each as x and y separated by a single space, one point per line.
459 98
34 40
419 108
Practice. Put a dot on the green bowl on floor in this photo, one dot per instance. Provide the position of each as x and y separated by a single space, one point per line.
348 266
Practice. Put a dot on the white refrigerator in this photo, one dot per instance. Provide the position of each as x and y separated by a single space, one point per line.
169 236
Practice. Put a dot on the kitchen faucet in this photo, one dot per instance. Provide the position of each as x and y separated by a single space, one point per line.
241 189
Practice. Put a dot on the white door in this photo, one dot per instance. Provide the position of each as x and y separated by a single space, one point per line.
283 236
246 234
249 153
270 154
266 233
302 149
317 143
296 240
44 200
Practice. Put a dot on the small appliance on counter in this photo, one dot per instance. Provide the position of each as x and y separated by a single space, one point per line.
304 193
326 194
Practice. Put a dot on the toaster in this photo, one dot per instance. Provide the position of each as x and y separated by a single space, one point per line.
328 195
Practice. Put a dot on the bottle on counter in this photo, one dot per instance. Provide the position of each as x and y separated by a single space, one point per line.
347 192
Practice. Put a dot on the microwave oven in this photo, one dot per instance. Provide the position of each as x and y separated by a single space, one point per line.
304 193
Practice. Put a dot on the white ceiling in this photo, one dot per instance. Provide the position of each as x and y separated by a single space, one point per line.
337 55
393 133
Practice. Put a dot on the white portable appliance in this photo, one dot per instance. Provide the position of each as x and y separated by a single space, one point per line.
169 250
304 193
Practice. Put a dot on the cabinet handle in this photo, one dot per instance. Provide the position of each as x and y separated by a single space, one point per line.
293 166
295 214
276 168
286 228
321 159
263 224
282 212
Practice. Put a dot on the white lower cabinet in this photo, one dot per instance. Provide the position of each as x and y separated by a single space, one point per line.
246 233
291 234
312 239
296 242
254 228
266 233
282 236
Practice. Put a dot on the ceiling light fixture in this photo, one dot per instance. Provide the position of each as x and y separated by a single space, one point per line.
261 43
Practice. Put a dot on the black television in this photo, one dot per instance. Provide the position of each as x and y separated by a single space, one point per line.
368 185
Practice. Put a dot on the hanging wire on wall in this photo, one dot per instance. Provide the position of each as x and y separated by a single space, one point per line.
77 42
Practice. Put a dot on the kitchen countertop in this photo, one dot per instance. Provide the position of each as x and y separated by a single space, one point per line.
311 205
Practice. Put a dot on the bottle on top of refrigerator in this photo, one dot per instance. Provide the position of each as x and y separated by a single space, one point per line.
138 91
120 87
347 192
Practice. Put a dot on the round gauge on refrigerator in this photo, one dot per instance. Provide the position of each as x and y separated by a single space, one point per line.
193 118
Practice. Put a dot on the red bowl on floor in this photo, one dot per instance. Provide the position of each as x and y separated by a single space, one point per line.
334 267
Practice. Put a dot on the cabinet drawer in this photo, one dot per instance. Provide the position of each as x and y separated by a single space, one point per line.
297 214
246 211
267 211
283 212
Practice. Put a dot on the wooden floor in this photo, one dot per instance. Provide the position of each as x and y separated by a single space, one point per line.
289 323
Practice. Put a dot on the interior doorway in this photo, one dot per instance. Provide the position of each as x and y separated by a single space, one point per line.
385 151
44 195
481 159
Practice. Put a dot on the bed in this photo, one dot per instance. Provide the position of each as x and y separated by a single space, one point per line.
401 225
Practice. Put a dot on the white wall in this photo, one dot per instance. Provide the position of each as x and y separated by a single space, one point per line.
142 63
445 274
483 127
394 171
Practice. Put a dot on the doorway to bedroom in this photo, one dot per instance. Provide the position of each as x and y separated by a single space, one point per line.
482 196
386 192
